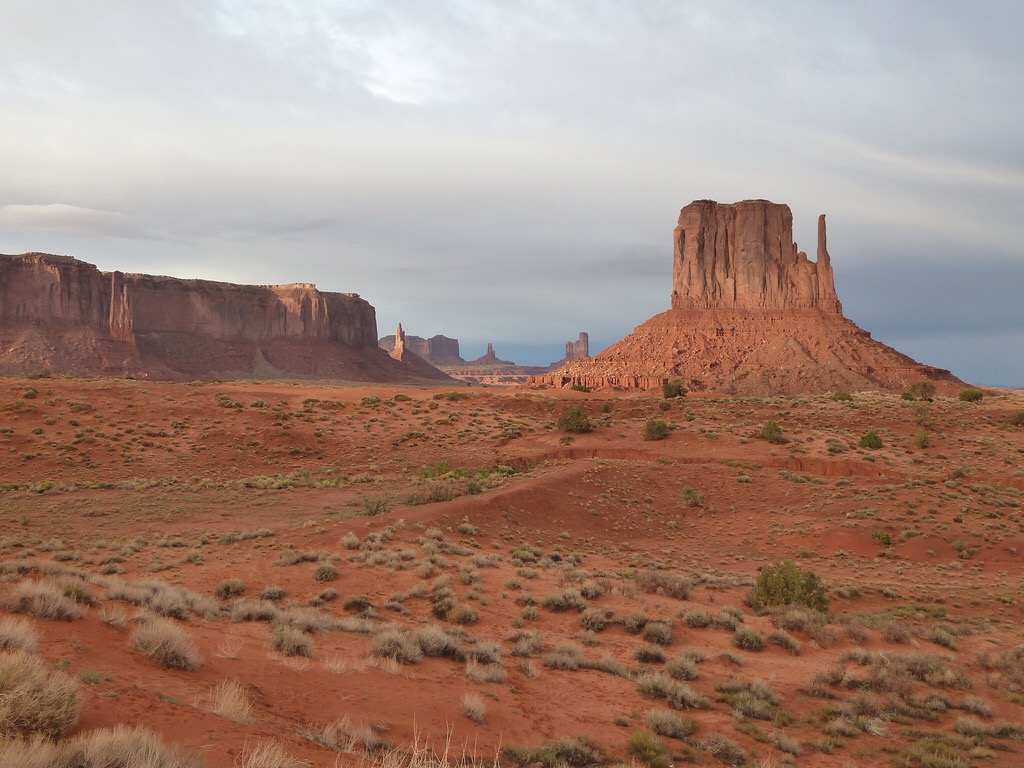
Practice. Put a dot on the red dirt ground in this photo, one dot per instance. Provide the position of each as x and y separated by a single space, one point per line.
191 484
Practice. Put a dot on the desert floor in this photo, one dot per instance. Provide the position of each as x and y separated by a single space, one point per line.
377 568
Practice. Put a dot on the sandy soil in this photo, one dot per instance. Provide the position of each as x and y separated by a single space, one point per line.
418 495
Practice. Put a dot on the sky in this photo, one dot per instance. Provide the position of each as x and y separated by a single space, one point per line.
512 171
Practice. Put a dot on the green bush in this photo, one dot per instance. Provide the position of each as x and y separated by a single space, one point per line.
748 638
1017 420
772 433
870 440
882 538
574 420
785 583
655 429
647 749
921 439
841 395
971 395
672 389
920 390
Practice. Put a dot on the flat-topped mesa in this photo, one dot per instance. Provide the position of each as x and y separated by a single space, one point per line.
66 316
742 256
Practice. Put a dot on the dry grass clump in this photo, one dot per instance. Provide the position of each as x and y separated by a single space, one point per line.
35 699
658 685
17 635
696 619
227 699
748 638
682 668
783 639
250 609
229 588
661 583
756 700
118 747
474 707
658 632
396 644
667 723
807 620
43 600
344 736
163 641
569 600
267 754
289 641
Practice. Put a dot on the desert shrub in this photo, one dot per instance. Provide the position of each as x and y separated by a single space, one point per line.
229 588
727 620
696 619
290 641
785 583
163 641
921 439
227 699
570 600
325 572
756 699
17 635
681 668
723 749
574 420
574 752
748 638
658 632
264 754
633 623
920 390
786 744
647 749
485 673
35 699
672 389
396 644
772 433
882 537
667 723
794 618
649 654
527 643
273 592
344 736
565 656
377 505
661 583
43 600
594 619
474 707
870 440
655 429
783 639
941 636
841 395
118 747
971 395
460 613
691 497
248 609
1017 420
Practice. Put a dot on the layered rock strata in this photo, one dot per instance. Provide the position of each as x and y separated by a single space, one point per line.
751 315
437 350
67 317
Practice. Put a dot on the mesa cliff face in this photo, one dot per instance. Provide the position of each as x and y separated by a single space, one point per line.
742 256
66 316
751 315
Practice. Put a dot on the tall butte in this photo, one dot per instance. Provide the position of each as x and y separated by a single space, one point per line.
751 315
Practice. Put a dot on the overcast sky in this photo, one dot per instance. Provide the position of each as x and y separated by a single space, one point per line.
512 171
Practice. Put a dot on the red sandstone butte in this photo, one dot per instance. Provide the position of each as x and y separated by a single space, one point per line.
66 317
751 315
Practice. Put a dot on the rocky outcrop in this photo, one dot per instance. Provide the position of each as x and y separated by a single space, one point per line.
750 315
437 350
579 349
742 256
66 316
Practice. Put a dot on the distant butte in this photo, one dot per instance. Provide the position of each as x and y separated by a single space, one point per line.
64 316
751 315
